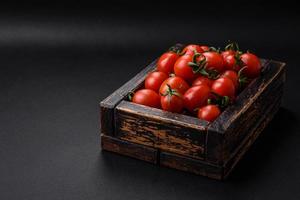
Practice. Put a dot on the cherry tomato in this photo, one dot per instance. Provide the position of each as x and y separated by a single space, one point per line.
175 83
166 62
252 65
146 97
202 80
227 53
196 97
231 63
182 68
154 80
214 61
233 76
172 101
190 49
205 48
223 87
209 113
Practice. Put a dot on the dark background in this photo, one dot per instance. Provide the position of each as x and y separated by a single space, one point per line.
59 61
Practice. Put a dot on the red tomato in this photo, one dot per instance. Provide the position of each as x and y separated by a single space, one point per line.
233 76
190 49
175 83
154 80
166 62
182 68
146 97
205 48
196 97
227 53
209 113
172 101
232 63
252 65
214 61
223 87
202 80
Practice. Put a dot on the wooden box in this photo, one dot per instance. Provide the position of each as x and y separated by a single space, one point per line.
185 142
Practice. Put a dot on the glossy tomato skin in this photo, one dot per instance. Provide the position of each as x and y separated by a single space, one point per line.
230 63
252 65
196 97
166 62
202 80
223 87
191 48
227 53
154 80
175 83
182 68
214 61
205 48
233 76
146 97
172 103
209 113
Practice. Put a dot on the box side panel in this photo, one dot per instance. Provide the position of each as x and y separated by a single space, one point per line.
191 165
166 131
255 131
108 105
129 149
250 109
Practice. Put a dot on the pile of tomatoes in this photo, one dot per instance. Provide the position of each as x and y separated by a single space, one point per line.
198 80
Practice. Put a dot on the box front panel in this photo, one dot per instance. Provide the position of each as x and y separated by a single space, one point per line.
162 130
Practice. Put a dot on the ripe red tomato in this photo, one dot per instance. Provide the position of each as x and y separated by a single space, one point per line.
183 69
233 76
214 61
227 53
154 80
190 49
172 101
205 48
175 83
231 62
146 97
202 80
166 62
209 113
223 87
252 65
196 97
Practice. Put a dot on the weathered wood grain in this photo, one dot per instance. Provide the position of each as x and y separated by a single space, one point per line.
167 131
250 139
108 105
191 165
233 125
129 149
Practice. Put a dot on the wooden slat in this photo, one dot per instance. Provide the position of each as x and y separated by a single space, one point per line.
167 131
233 125
140 152
255 132
190 165
107 105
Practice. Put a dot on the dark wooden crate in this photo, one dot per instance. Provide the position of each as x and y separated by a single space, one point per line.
185 142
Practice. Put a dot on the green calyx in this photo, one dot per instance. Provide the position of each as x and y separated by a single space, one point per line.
221 101
130 96
199 67
243 80
232 46
170 92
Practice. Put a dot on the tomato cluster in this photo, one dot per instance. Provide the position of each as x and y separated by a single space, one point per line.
198 80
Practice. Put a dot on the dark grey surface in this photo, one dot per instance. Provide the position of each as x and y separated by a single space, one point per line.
58 63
